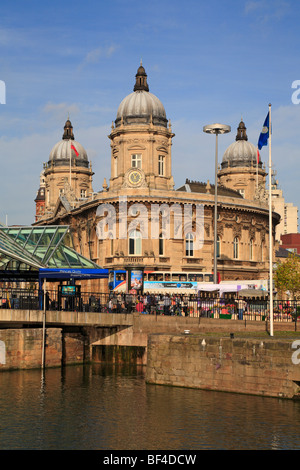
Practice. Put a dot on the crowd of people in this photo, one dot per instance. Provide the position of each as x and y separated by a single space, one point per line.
171 304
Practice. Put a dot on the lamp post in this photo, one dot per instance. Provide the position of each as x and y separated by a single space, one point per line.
216 129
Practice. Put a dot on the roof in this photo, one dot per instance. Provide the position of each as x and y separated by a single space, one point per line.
207 188
284 253
28 248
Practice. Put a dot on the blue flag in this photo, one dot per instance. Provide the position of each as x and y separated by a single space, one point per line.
264 135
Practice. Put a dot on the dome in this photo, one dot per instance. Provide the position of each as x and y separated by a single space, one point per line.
141 106
240 153
68 148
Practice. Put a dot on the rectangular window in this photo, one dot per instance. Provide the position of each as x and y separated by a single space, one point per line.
136 160
161 165
189 245
83 193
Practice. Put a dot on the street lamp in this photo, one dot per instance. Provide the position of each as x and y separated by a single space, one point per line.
216 129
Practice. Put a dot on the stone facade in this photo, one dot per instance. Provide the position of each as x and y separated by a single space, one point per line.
22 348
141 181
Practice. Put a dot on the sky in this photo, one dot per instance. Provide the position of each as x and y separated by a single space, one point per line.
207 62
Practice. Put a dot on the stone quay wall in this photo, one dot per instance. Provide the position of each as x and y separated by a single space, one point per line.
250 366
22 348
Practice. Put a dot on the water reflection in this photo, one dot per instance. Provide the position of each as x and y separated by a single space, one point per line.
111 407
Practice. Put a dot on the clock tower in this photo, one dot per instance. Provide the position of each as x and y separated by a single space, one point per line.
141 140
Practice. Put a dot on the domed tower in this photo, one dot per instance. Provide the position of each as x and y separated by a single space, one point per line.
141 141
241 167
40 199
68 171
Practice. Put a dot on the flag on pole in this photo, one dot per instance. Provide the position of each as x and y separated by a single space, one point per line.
264 135
257 156
73 148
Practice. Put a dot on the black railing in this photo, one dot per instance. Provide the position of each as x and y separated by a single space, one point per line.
178 305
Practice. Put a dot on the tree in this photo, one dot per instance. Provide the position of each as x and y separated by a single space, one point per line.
287 276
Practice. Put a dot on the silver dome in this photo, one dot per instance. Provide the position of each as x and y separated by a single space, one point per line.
141 106
62 151
241 152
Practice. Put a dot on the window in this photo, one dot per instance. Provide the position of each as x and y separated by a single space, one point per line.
218 246
236 248
135 242
251 250
83 193
136 160
161 245
161 165
61 191
189 245
115 166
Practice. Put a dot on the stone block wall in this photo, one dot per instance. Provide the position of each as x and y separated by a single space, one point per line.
251 366
22 348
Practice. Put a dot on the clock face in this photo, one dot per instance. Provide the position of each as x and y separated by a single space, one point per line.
135 177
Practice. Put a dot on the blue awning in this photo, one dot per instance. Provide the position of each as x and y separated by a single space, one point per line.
68 274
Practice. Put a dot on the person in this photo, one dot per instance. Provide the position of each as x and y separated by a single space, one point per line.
241 304
167 304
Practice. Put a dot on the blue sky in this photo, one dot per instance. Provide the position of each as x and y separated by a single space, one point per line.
206 61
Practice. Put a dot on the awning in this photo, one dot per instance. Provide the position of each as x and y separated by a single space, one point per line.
76 274
252 293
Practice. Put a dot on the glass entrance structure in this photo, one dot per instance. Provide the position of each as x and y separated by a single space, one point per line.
26 251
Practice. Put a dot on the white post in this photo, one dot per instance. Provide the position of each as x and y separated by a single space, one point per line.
270 228
44 325
216 212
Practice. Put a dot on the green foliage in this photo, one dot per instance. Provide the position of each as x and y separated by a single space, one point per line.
287 276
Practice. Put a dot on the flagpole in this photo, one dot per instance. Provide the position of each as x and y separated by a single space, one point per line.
257 158
270 227
70 179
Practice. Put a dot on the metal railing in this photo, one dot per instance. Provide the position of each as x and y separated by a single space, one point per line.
154 304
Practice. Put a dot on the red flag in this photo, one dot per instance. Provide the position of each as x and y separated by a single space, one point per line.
257 156
73 148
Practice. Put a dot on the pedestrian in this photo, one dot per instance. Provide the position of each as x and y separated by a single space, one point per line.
167 304
241 304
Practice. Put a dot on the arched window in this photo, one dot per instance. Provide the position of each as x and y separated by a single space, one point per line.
161 247
115 167
218 246
189 245
135 242
236 248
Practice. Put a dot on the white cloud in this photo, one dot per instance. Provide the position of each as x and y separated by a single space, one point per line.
267 10
60 111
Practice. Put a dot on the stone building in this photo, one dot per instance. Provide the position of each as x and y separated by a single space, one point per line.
140 219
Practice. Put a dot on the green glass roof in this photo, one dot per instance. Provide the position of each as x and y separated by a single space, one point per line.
24 248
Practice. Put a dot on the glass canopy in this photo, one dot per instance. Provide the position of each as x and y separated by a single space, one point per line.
34 248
